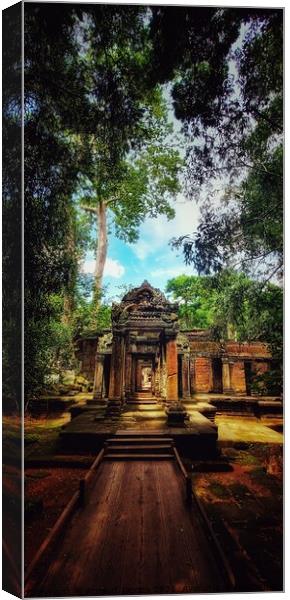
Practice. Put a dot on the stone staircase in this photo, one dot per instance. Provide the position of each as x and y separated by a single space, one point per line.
142 401
142 398
136 446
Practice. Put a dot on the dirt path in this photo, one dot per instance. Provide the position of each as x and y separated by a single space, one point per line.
135 536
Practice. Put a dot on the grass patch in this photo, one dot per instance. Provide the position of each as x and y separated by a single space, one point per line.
259 476
247 459
219 490
238 490
31 438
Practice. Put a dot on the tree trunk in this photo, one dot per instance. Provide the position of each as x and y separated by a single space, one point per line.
68 303
102 247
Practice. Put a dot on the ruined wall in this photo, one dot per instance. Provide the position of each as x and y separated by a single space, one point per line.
232 348
204 347
250 349
203 374
85 353
202 352
238 379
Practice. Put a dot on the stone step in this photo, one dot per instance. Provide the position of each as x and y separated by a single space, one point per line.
137 434
138 456
152 408
158 448
142 396
140 440
139 401
266 407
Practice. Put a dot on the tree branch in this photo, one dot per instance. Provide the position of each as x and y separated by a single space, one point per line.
90 209
277 268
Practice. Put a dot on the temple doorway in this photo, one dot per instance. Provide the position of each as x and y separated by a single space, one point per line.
144 374
146 378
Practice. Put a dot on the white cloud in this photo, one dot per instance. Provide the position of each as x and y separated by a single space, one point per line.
172 271
142 249
113 268
88 267
156 233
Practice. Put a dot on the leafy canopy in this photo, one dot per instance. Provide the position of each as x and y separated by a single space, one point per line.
227 89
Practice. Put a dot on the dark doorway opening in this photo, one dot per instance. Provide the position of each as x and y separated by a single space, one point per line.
217 375
249 375
106 380
179 358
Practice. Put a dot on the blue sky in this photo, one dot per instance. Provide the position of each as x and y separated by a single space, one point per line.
151 257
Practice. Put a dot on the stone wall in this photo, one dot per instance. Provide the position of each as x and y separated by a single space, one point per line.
85 353
251 349
203 374
202 352
238 380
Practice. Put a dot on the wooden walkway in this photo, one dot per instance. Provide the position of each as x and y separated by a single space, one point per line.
135 536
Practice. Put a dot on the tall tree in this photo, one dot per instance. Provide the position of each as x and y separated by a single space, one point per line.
141 184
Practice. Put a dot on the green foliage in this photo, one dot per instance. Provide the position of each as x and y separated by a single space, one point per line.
141 184
90 318
11 211
195 300
227 87
233 306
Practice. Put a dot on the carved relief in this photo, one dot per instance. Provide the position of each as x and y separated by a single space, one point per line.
144 304
105 343
183 345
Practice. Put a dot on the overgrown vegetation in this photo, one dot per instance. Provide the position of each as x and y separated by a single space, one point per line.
233 306
99 146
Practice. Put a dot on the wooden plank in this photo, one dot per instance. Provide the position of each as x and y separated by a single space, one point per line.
195 570
156 574
173 506
76 559
135 536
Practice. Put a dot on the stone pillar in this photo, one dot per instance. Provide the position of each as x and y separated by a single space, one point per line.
98 377
138 375
128 373
117 369
227 385
192 375
163 373
185 377
157 376
153 378
172 371
133 373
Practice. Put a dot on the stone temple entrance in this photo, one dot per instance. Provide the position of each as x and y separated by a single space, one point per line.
143 349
